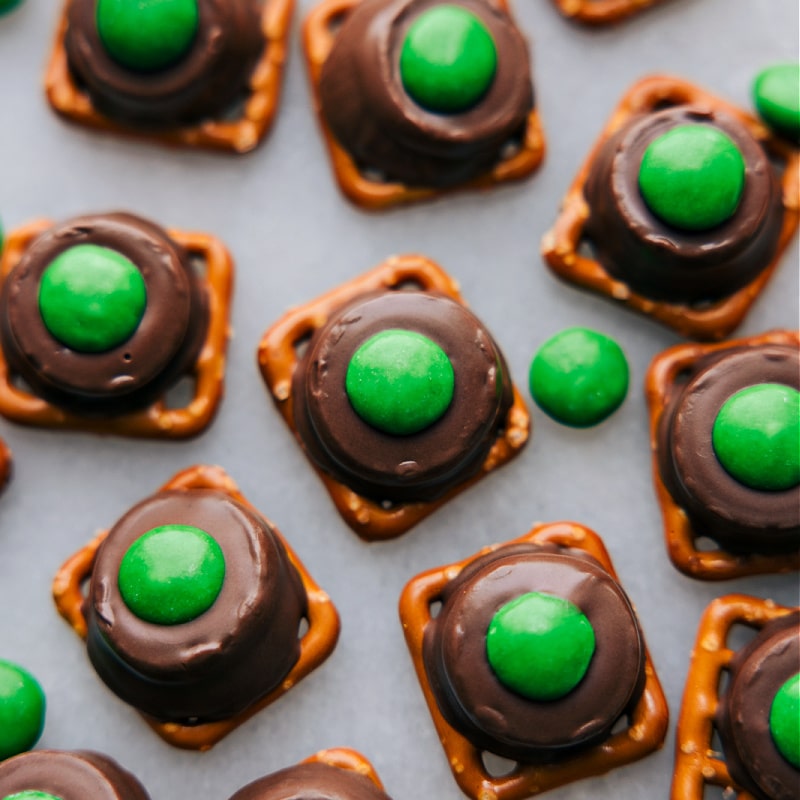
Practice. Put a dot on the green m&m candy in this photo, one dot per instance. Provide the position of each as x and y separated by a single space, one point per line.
7 5
692 177
22 710
540 645
31 794
400 381
579 377
147 35
171 574
784 720
776 93
756 436
448 59
91 298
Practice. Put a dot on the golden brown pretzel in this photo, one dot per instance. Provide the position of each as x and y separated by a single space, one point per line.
316 644
561 246
601 12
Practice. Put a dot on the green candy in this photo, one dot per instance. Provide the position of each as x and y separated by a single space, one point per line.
540 646
692 177
91 298
579 377
147 35
448 59
756 436
784 720
776 93
400 382
7 5
22 709
171 574
31 795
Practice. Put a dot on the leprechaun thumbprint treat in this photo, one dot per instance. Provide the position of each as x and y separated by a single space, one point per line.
67 775
336 774
419 96
725 428
532 651
22 710
680 211
194 609
196 73
749 697
102 316
396 392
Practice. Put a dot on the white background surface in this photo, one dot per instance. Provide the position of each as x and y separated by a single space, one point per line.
293 236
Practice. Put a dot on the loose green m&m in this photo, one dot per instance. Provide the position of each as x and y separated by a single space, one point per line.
776 93
540 645
171 574
756 436
579 377
91 298
448 59
692 177
784 720
147 35
400 381
31 795
22 709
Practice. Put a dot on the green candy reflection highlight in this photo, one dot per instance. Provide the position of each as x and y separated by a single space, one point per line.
147 35
756 436
91 298
448 59
540 645
400 382
22 710
692 177
776 93
171 574
784 720
579 377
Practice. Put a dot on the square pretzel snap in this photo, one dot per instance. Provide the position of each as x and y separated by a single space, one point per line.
564 247
239 128
315 643
440 611
383 500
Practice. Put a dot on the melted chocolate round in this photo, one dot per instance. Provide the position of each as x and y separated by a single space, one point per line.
374 118
418 466
663 262
474 700
736 515
211 76
757 671
313 781
132 374
77 775
227 658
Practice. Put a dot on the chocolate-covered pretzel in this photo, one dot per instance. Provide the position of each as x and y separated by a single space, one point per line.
126 372
65 775
203 80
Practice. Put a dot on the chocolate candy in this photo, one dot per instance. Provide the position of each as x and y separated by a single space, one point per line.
647 241
64 775
732 470
137 70
748 716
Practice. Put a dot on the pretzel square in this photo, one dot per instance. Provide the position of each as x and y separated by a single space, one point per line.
697 763
680 533
602 12
562 245
156 421
646 727
346 759
316 644
238 135
278 358
319 34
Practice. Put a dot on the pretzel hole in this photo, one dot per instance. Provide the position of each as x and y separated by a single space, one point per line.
586 249
181 394
303 627
739 635
621 725
198 265
510 149
300 345
497 766
715 746
704 544
722 683
434 609
335 21
20 384
712 791
408 285
372 174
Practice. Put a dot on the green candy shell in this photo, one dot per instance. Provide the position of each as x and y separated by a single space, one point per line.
22 710
776 94
31 794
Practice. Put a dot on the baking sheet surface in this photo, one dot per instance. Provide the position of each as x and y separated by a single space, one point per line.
294 236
